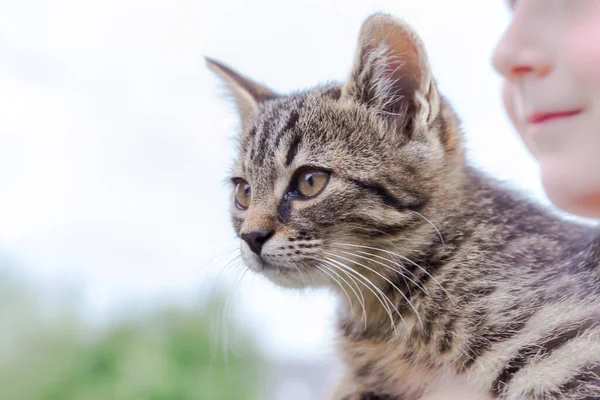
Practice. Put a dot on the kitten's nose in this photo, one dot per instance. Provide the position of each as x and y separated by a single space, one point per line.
256 239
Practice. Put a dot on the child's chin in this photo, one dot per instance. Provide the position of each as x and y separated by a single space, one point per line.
570 189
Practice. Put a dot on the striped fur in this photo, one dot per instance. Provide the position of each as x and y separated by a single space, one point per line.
444 275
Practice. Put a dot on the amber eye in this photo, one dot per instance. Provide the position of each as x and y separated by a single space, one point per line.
311 182
242 194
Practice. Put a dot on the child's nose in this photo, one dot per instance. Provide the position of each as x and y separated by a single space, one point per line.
518 55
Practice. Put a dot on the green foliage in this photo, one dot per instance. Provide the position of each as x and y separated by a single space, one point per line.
162 355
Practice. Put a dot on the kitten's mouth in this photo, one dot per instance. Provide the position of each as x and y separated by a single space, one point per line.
268 266
262 265
288 275
282 275
265 266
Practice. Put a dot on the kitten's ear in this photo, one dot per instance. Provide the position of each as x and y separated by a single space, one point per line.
246 93
391 71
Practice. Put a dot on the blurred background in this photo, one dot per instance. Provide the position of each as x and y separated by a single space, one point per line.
118 276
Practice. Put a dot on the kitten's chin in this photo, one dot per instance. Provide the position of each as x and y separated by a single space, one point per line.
286 279
284 275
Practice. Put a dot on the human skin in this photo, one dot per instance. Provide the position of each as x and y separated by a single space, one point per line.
549 58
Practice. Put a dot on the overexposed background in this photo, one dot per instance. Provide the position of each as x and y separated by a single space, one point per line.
115 139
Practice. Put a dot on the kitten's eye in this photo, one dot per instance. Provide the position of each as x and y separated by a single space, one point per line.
311 182
242 195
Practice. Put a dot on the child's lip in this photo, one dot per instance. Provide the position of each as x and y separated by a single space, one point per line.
546 116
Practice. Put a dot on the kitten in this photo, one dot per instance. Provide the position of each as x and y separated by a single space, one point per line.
444 276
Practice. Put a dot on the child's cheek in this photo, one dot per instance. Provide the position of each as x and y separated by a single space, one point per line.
583 47
511 101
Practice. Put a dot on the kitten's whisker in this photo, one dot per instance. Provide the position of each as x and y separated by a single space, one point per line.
224 253
432 224
404 258
241 272
387 280
359 295
357 292
388 267
227 308
324 270
388 302
370 230
214 281
399 263
234 264
401 272
388 113
302 276
364 281
396 271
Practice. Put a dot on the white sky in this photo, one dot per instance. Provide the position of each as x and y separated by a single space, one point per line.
115 139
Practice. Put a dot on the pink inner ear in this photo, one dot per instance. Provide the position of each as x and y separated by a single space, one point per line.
404 52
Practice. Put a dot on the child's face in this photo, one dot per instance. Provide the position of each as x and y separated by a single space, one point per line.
550 59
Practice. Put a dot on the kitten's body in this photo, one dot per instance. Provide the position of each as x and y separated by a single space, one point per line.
518 309
445 277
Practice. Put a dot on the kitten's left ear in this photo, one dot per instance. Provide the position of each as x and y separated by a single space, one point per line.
391 71
246 93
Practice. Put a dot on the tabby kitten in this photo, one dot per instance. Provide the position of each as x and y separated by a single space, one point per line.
444 276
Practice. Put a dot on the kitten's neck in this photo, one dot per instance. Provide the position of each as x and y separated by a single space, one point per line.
480 222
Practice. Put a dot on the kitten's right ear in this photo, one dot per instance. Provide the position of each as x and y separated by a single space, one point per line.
246 93
391 72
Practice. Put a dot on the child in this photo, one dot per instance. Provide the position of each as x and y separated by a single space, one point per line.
550 60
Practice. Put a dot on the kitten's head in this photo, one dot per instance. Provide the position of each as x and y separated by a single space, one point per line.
329 182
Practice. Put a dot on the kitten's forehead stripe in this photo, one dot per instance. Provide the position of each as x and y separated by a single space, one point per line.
276 125
259 147
289 125
249 144
292 151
